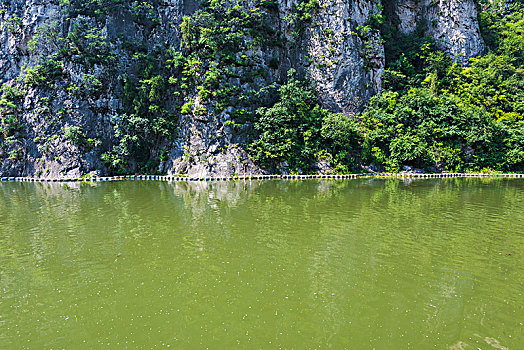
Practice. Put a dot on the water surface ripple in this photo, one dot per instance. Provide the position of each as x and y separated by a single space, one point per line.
358 264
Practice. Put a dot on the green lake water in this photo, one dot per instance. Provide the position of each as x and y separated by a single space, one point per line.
351 264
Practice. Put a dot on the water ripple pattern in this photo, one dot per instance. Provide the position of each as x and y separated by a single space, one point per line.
360 264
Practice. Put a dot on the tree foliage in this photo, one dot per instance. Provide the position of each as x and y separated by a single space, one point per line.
439 115
296 131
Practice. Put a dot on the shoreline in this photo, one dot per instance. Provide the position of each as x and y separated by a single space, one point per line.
170 178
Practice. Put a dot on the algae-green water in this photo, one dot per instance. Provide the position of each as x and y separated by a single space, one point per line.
351 264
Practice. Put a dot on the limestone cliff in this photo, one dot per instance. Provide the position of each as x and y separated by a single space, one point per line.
452 24
78 70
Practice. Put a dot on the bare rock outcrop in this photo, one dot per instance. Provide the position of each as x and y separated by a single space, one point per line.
451 23
64 126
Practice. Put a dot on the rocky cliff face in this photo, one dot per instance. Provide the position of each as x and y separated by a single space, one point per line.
92 84
452 24
347 65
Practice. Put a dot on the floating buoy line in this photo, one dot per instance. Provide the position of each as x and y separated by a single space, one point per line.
170 178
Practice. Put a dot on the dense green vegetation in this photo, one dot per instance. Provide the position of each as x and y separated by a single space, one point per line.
439 115
433 114
216 49
194 79
10 123
296 130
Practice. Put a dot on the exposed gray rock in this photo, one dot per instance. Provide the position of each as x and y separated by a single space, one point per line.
452 24
347 66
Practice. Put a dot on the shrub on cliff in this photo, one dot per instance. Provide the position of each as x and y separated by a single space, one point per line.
440 115
296 130
422 129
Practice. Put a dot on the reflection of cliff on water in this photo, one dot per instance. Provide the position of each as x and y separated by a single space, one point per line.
217 207
339 255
